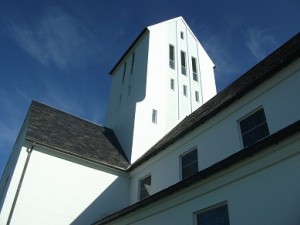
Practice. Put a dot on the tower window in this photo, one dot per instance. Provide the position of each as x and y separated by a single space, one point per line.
124 72
184 90
254 127
182 35
171 57
214 215
172 84
154 116
194 67
197 96
132 63
145 187
183 63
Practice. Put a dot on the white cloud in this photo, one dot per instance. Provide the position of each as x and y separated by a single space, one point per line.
57 38
259 42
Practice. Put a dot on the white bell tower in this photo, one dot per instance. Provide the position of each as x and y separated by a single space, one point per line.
164 76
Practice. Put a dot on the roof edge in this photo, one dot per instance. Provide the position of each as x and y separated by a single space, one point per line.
233 159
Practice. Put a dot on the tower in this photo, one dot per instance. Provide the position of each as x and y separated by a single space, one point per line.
163 77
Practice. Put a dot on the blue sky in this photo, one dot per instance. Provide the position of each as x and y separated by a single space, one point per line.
60 52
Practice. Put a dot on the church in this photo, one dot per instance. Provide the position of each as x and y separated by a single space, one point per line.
172 150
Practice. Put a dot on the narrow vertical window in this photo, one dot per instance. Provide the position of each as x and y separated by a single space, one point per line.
189 164
197 96
145 187
181 35
124 72
184 90
129 90
132 63
194 67
183 62
172 84
154 116
171 57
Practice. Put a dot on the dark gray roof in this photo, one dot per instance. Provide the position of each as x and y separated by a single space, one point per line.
72 135
264 70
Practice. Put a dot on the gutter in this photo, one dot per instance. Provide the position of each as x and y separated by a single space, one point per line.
29 151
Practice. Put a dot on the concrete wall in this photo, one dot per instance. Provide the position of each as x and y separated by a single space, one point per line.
220 137
60 191
260 190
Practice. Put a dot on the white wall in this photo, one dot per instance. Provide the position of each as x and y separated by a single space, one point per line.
260 190
220 137
59 191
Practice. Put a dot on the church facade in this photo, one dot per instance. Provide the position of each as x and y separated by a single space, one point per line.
172 151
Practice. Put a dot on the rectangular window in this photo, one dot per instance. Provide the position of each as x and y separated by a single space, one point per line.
181 35
183 62
214 216
254 127
197 96
194 67
172 84
189 164
124 72
132 63
172 56
145 187
154 116
184 90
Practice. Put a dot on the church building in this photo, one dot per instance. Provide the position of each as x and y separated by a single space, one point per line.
172 150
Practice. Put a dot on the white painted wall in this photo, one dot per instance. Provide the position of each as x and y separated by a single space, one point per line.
150 87
60 191
220 137
261 190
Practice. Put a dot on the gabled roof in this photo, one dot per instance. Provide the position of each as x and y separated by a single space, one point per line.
66 133
264 70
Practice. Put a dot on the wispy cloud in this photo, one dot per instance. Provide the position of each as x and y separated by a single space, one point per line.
58 38
259 42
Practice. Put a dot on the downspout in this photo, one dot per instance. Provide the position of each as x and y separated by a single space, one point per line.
20 184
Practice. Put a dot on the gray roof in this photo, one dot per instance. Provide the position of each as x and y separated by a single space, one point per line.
75 136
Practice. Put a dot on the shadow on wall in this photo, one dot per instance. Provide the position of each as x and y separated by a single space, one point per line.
114 198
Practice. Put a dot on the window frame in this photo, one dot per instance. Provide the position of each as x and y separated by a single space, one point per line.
154 116
197 96
172 59
195 69
210 209
140 187
257 126
182 35
184 90
172 84
183 62
184 166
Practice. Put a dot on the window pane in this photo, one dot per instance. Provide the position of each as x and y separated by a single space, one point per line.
254 128
216 216
145 187
154 116
189 164
171 57
182 59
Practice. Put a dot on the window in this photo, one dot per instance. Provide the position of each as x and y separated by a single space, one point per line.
189 164
181 35
184 90
129 90
214 216
172 84
254 128
197 96
194 67
124 72
183 63
132 63
171 57
145 187
154 116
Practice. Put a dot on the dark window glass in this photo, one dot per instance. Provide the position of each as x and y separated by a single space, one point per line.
215 216
171 57
183 63
194 67
189 164
145 187
254 128
154 116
